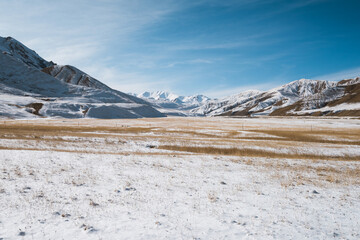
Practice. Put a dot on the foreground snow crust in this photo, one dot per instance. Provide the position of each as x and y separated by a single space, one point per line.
49 195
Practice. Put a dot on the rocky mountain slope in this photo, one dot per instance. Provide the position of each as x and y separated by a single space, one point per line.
33 87
297 98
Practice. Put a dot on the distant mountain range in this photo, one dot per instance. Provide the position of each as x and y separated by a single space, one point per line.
172 104
303 97
298 98
31 87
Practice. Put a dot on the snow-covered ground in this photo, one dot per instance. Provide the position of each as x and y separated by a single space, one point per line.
110 179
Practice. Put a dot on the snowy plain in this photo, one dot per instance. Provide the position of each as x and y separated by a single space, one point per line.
116 179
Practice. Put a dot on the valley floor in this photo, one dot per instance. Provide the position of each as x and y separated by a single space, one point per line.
180 178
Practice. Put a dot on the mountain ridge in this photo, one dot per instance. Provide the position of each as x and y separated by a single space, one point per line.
21 52
30 91
169 96
297 98
173 104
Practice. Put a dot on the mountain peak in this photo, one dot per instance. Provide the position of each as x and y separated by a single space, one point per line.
168 100
13 47
159 95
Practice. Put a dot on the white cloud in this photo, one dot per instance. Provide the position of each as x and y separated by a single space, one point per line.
128 81
242 41
61 28
72 54
193 61
337 76
85 33
221 91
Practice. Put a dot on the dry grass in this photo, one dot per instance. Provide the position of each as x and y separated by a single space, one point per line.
179 135
26 131
245 152
122 153
228 137
302 135
58 129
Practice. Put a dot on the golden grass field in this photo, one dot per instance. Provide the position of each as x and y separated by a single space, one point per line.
182 178
274 139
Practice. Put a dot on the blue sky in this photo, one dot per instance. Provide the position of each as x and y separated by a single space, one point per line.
212 47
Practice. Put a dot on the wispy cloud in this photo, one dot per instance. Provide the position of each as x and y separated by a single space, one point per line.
222 91
136 46
247 40
337 76
259 60
57 29
234 3
193 61
131 81
286 6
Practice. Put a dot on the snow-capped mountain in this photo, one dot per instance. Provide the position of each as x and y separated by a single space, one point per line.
173 104
19 51
27 90
193 100
217 107
72 75
159 95
301 97
33 87
181 100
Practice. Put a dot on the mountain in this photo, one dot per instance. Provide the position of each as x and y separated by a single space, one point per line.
297 98
27 90
31 87
194 100
159 95
72 75
171 97
217 107
172 104
19 51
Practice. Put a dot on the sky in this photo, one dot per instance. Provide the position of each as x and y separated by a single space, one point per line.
212 47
